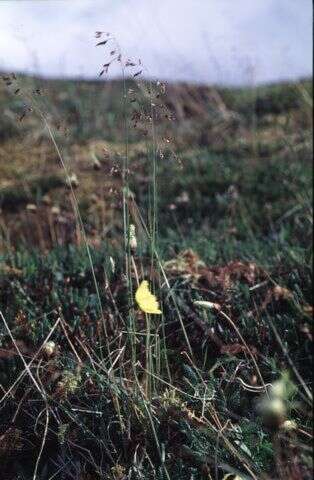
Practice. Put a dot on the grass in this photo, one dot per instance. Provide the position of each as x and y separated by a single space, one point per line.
221 203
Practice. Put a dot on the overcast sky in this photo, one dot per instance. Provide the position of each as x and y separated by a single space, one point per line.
208 41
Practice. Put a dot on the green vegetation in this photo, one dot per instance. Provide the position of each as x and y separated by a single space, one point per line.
221 202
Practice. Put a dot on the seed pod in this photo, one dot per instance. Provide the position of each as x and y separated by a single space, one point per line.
72 181
49 349
273 412
31 207
96 164
55 210
46 200
132 238
288 425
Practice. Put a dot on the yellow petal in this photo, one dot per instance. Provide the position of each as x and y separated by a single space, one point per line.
146 300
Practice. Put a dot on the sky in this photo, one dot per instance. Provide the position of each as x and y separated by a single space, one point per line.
230 42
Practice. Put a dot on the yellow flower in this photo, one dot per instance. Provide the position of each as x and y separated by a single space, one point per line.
146 300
